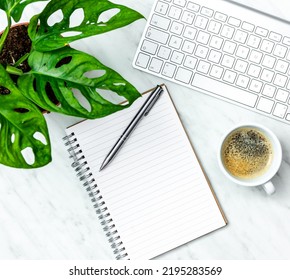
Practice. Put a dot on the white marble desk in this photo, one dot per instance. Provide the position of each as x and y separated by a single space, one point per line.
45 213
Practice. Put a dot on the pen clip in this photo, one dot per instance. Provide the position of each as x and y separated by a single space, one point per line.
153 102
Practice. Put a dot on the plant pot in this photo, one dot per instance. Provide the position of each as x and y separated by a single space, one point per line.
16 46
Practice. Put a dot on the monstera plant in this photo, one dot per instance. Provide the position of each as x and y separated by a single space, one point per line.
50 75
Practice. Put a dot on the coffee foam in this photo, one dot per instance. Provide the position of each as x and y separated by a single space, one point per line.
247 153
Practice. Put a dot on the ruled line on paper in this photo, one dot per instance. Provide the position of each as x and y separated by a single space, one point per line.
185 237
124 114
114 130
163 209
205 211
145 163
150 180
168 195
142 143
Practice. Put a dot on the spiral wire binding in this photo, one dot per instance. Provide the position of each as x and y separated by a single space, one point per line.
82 170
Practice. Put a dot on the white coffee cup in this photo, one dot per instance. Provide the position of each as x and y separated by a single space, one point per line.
265 179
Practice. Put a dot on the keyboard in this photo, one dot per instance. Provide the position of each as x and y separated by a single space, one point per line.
222 49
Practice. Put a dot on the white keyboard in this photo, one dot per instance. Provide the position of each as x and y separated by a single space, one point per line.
222 49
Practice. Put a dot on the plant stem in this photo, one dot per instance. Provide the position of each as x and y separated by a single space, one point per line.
14 71
5 33
21 59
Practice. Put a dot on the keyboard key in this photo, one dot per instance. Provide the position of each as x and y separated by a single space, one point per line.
157 35
155 65
224 90
267 75
256 57
228 61
280 51
176 28
160 22
227 31
241 66
214 56
188 17
177 57
241 37
193 7
280 80
189 32
203 37
275 36
254 41
216 72
262 31
242 52
288 117
286 41
280 110
267 46
180 3
161 8
234 21
282 66
190 62
243 81
164 52
248 26
149 47
229 47
269 61
216 42
256 86
175 42
220 17
201 51
206 12
282 95
183 75
188 47
201 22
142 60
203 67
168 70
265 105
269 91
214 27
229 76
174 12
254 71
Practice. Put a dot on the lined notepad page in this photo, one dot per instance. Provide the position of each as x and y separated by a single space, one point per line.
155 189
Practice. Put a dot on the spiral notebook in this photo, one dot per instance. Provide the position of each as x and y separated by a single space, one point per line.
154 196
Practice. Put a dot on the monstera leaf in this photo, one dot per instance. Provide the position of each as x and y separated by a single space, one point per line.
15 7
24 140
69 73
46 37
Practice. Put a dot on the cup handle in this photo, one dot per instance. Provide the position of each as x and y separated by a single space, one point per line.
269 188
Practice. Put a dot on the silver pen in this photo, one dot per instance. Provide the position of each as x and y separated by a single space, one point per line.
143 111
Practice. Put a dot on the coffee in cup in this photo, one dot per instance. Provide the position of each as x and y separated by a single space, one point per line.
247 153
250 155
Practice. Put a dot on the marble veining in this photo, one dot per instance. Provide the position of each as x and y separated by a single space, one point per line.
45 213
